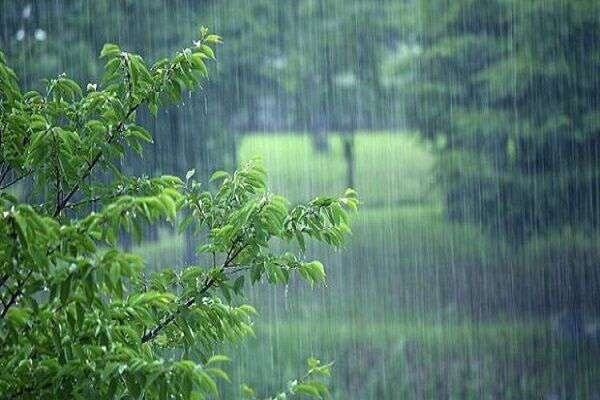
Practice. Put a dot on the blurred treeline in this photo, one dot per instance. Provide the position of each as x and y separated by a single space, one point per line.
511 92
286 65
507 91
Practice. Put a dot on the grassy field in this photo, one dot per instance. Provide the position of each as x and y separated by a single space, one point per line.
390 168
424 361
394 174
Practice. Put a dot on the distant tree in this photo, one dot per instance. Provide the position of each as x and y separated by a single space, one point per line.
335 52
510 92
80 317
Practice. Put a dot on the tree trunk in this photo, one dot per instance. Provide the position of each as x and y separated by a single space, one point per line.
320 139
348 142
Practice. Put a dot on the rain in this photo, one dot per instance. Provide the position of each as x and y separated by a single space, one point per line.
471 132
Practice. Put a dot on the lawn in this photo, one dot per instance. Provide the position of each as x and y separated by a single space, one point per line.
423 361
391 167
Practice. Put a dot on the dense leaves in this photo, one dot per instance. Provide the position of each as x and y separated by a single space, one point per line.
80 317
510 92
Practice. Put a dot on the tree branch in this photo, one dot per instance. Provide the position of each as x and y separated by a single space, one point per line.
167 319
3 279
232 253
94 199
92 163
17 179
4 173
15 296
60 206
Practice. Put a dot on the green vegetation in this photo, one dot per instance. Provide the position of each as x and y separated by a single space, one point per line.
510 91
297 170
426 360
445 331
470 128
273 49
82 318
402 206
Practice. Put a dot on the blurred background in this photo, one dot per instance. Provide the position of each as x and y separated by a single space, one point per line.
470 129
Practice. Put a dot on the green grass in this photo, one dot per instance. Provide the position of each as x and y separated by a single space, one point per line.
417 235
422 361
391 168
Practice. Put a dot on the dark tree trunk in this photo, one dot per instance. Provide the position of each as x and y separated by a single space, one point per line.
320 139
348 142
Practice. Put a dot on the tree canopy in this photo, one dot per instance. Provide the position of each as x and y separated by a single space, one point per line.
509 90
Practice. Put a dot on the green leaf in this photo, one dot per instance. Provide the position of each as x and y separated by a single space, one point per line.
315 271
208 51
110 50
312 362
219 175
217 358
248 392
308 390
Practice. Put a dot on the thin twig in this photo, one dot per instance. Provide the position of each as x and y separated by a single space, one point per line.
94 199
5 172
60 206
167 319
15 296
9 184
3 279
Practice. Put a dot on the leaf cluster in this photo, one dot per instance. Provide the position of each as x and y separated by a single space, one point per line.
79 316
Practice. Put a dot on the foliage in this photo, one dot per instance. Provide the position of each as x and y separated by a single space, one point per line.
510 92
80 317
74 30
431 359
